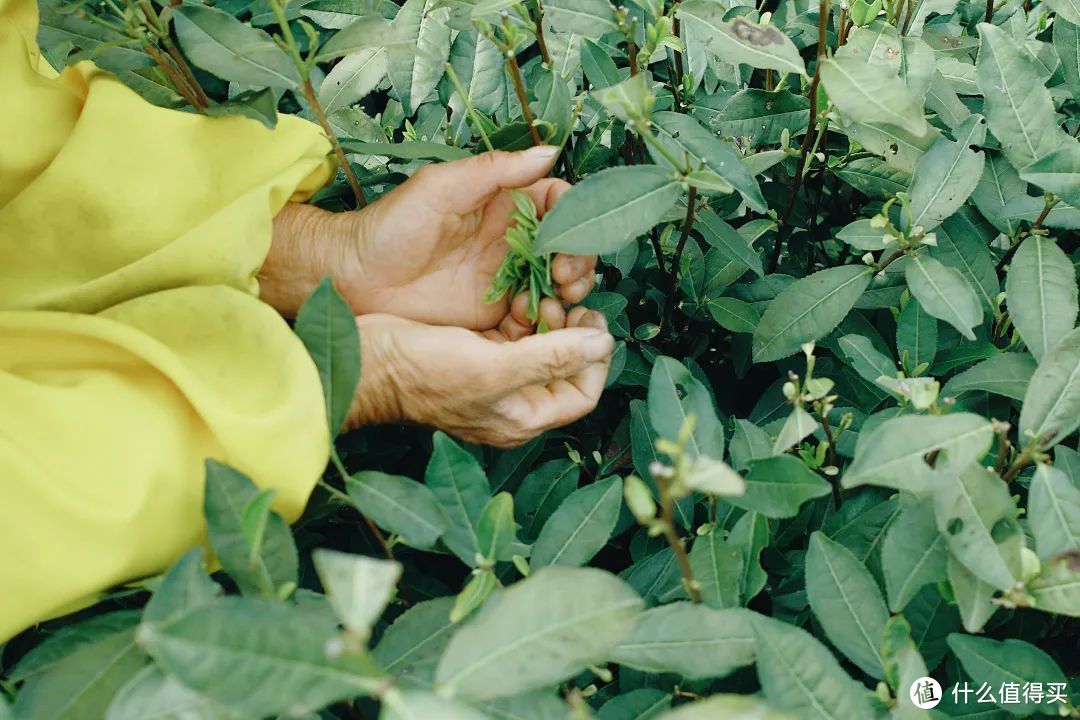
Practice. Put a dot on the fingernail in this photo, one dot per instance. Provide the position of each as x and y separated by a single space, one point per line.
546 153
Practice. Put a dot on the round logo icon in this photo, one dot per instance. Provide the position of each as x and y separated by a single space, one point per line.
925 693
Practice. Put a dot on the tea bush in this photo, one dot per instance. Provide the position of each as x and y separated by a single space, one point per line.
837 452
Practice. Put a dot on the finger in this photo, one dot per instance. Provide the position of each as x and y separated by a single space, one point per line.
584 317
545 193
465 185
511 329
519 310
565 401
567 269
552 314
578 290
545 358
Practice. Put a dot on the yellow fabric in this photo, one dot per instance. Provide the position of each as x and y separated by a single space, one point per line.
132 343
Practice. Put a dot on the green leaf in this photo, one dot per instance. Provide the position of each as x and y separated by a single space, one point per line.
462 491
186 585
799 674
777 487
798 425
590 18
869 93
916 336
915 554
411 647
607 210
1055 502
684 136
475 593
629 101
580 527
723 706
260 105
538 632
1018 105
599 68
495 528
420 48
1058 172
640 704
690 640
358 588
275 657
1008 661
862 235
904 666
423 705
741 41
846 601
327 327
368 33
259 570
352 79
413 150
674 396
399 504
760 115
977 515
1052 404
1042 294
153 695
219 43
1057 588
1067 46
944 293
864 358
895 453
1007 374
751 535
734 315
808 310
720 235
973 596
84 682
718 568
875 177
962 244
946 175
542 491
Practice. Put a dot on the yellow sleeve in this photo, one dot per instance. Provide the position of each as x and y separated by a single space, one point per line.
132 343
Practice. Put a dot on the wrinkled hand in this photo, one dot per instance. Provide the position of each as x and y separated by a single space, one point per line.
482 387
428 250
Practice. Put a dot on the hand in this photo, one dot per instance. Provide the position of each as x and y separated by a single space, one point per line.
481 387
426 251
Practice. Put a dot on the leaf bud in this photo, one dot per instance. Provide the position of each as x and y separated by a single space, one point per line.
639 498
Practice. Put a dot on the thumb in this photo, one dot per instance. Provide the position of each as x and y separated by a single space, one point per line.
541 359
467 184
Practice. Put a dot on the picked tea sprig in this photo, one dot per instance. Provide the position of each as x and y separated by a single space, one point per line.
522 270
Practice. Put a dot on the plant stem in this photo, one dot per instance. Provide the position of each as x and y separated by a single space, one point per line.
161 31
654 236
541 43
1021 462
989 11
676 260
456 82
1051 202
804 150
523 97
340 467
896 255
667 517
339 152
174 76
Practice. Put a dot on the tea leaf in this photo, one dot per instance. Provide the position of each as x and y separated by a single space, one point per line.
690 640
867 93
538 632
1042 294
327 326
914 555
1056 502
1052 404
1009 661
400 505
808 310
462 491
607 210
846 601
945 294
357 587
580 527
778 486
741 41
219 43
718 567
